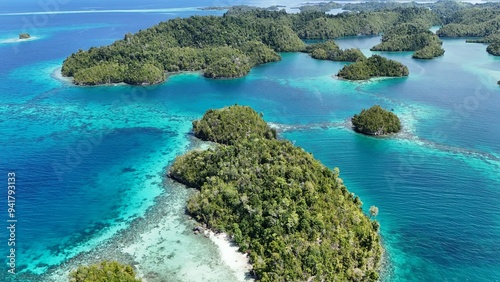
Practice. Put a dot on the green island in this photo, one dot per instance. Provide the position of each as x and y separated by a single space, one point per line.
329 50
224 47
105 271
292 215
319 7
494 49
411 37
24 36
375 66
376 121
232 124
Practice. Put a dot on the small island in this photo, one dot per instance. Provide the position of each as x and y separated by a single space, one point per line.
494 49
105 271
376 121
411 37
375 66
231 124
292 215
329 50
24 36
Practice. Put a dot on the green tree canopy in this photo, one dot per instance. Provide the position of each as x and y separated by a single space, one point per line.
411 37
106 271
232 124
330 51
375 66
376 121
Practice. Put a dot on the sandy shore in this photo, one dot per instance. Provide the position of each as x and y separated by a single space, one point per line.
237 261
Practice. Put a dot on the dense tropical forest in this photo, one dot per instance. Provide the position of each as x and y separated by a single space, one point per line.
411 37
375 66
376 121
224 47
291 214
229 46
106 271
230 125
329 50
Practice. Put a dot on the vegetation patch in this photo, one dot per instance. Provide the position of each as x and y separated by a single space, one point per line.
411 37
494 49
106 271
329 50
376 121
375 66
231 124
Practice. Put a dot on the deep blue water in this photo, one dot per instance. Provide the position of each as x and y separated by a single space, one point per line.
88 160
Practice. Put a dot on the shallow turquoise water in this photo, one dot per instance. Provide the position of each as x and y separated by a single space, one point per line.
89 160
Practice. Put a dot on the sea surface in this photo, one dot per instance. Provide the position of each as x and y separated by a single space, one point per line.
90 162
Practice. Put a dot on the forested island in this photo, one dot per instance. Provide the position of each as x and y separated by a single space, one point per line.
291 214
329 50
105 271
375 66
224 47
376 121
411 37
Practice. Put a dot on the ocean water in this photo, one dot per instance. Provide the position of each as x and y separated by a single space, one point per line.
90 161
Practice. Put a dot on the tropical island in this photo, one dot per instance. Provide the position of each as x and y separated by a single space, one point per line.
329 50
375 66
411 37
224 47
292 215
376 121
494 49
105 271
24 36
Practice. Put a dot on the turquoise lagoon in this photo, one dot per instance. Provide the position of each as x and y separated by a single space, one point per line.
90 161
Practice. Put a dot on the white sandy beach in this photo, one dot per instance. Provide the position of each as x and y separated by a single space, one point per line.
237 261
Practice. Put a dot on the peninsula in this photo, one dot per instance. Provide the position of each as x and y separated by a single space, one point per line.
292 215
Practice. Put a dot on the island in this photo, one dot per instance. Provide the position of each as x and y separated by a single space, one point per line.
232 124
329 50
24 36
105 271
292 215
227 46
318 7
411 37
375 66
376 121
494 49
